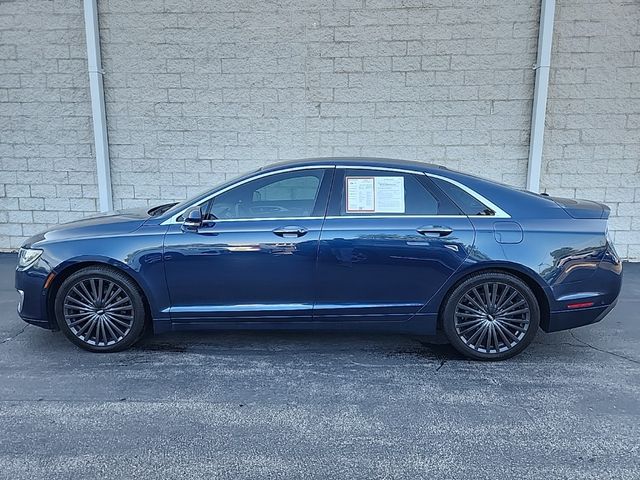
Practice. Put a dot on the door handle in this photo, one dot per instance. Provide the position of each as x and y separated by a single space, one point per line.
290 231
434 231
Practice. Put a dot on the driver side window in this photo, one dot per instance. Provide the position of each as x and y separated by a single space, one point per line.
282 195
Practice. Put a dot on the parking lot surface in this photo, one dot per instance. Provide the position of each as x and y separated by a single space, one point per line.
286 405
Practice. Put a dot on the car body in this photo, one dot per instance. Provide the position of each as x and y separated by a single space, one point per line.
303 245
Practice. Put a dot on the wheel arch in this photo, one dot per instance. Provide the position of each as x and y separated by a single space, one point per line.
67 269
529 277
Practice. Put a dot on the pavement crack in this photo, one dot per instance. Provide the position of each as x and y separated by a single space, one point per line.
593 347
442 362
6 340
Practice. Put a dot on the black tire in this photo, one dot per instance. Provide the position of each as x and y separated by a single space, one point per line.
510 327
117 326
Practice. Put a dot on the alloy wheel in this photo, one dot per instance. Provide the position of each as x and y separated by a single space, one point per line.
98 311
492 317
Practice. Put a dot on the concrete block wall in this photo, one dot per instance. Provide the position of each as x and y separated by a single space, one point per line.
200 91
197 92
47 165
592 139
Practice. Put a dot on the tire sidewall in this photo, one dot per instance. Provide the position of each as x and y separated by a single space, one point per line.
124 282
448 318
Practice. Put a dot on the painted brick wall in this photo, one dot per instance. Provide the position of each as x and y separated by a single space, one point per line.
47 166
200 91
592 142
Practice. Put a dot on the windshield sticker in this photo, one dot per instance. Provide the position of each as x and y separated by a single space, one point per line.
375 195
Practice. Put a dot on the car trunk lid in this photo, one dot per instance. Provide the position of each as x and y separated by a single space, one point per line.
582 208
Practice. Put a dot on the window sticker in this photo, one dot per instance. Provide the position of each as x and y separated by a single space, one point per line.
375 195
389 194
360 194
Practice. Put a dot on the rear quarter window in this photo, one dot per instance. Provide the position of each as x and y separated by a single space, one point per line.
465 201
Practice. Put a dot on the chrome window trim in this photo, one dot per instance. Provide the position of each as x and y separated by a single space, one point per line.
499 213
173 220
400 215
383 169
258 219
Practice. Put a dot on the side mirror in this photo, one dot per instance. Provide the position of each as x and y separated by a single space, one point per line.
193 220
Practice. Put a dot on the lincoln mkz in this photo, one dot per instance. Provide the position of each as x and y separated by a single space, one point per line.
339 244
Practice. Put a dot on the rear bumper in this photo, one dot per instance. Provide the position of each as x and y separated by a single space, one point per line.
601 290
577 318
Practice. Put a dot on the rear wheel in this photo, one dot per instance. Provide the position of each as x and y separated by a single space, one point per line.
100 309
491 316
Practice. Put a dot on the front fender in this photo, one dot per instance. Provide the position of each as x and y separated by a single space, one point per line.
138 255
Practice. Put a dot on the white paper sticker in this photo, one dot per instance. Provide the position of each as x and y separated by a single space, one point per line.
389 194
375 194
360 194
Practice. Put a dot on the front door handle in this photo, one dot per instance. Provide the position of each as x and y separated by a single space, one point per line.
290 231
434 231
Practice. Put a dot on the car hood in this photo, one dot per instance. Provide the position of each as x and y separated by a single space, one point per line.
110 223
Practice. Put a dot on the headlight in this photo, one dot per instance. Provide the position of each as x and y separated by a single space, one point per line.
27 257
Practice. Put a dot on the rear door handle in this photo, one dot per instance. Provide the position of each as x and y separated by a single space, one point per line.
290 231
434 231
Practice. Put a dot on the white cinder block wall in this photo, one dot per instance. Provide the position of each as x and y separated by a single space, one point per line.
592 142
197 92
47 165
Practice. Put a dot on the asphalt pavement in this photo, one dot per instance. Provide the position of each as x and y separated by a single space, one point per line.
307 405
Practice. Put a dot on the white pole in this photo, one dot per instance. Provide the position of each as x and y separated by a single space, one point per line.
545 37
97 105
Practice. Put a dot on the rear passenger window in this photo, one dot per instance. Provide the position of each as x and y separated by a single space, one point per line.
467 202
377 192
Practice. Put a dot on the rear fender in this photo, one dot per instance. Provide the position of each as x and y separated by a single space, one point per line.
529 276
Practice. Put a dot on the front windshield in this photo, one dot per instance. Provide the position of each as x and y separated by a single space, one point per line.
179 207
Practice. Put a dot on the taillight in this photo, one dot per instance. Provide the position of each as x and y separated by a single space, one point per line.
610 245
580 305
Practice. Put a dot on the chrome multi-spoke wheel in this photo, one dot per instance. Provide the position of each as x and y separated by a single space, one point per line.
100 309
491 315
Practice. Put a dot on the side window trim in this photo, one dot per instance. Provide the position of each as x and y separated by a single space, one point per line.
333 206
321 205
336 172
257 219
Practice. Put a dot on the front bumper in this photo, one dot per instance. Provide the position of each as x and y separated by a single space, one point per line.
32 304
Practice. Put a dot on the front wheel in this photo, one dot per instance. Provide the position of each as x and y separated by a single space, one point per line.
491 316
100 309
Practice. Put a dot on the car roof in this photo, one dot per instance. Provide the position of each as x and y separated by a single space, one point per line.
360 161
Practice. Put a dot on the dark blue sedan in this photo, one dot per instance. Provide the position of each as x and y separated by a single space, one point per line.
330 244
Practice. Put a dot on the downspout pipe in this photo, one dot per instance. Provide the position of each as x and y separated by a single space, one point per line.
98 113
541 90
